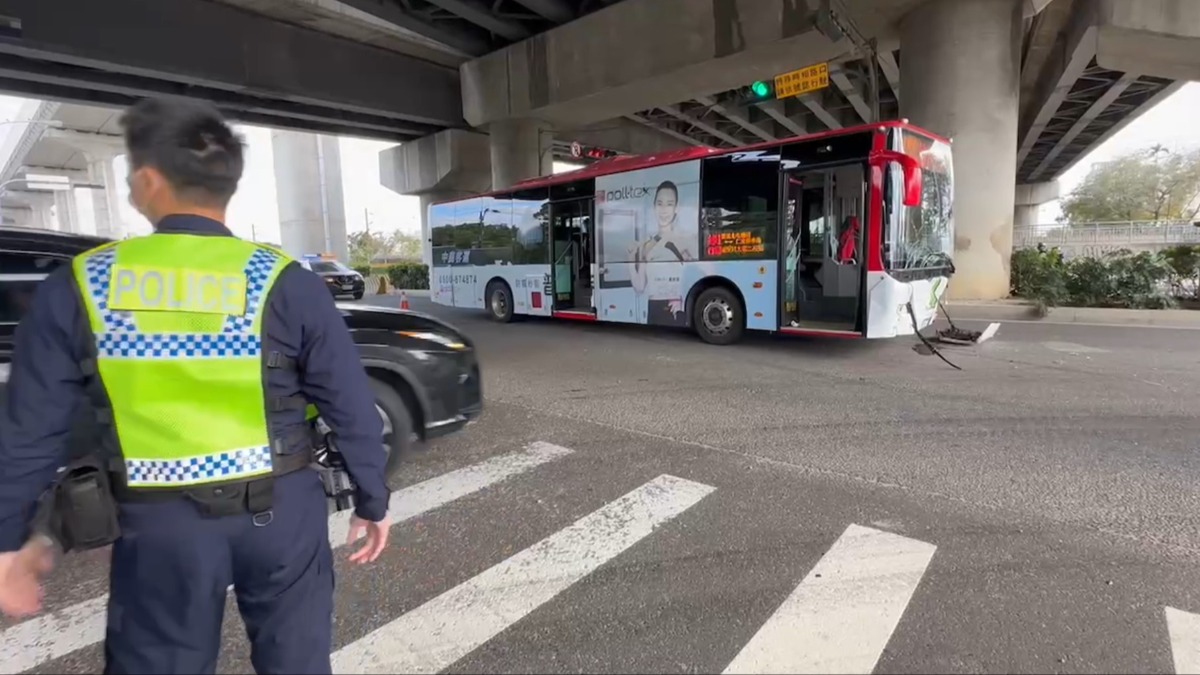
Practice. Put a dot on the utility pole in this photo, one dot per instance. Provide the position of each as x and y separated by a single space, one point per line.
253 232
367 219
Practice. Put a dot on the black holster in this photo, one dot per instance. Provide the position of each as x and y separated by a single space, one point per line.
79 512
338 484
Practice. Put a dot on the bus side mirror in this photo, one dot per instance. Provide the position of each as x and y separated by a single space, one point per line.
913 180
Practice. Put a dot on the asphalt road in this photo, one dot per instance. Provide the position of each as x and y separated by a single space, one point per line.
635 500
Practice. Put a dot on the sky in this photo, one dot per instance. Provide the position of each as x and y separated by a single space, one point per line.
254 211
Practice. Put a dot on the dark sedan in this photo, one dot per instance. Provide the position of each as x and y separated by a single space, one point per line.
424 372
339 279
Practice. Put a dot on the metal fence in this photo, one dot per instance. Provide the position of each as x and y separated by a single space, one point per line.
1101 238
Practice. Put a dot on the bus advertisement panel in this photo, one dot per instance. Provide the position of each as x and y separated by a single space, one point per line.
648 228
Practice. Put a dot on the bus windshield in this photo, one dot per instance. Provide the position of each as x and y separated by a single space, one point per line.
919 240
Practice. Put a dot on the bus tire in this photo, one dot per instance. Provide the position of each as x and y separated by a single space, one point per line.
718 316
499 301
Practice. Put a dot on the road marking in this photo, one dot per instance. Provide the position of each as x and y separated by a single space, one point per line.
33 642
988 333
841 616
1073 348
50 636
441 490
450 626
1184 628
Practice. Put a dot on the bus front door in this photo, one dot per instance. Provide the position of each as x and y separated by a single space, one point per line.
821 263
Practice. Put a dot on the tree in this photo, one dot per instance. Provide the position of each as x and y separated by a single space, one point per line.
1150 184
368 246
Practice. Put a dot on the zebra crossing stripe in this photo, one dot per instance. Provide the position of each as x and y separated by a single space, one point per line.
50 636
448 627
1184 628
841 616
441 490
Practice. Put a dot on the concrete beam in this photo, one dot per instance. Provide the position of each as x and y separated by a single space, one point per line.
625 136
1098 106
18 145
1034 194
738 117
778 112
557 11
1129 117
813 103
891 71
106 45
454 160
700 124
669 51
482 16
457 41
666 130
1152 37
89 144
856 97
1066 63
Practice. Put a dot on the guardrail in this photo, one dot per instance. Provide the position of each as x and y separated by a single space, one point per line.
1140 235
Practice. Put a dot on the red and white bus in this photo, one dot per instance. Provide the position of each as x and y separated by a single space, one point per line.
839 234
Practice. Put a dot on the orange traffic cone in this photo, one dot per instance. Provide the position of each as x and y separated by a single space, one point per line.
403 300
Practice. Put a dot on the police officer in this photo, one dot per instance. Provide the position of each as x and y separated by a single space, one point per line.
199 353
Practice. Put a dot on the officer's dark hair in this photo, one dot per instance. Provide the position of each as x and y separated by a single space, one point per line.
188 142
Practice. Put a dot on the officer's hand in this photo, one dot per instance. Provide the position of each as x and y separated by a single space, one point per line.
21 575
377 536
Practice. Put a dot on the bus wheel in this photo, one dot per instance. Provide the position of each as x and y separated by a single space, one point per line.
718 316
500 301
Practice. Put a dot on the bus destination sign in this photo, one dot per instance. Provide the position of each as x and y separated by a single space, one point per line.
734 243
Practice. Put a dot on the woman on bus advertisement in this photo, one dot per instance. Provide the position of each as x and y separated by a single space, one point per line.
654 243
662 284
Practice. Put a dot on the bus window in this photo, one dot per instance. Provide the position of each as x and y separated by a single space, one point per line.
742 198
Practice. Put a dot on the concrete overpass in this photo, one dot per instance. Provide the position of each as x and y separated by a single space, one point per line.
74 142
1026 87
80 142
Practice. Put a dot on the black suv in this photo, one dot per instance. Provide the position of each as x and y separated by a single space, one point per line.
423 371
339 279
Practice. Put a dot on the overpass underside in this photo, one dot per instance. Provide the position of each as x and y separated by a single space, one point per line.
1025 88
487 94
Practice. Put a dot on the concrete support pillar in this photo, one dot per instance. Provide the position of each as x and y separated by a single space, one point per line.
308 188
961 75
1028 201
520 150
105 201
1025 216
66 212
447 165
17 216
41 207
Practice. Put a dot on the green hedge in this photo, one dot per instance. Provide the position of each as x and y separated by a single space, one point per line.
409 275
1121 279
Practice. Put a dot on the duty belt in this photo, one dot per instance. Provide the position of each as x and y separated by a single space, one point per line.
220 499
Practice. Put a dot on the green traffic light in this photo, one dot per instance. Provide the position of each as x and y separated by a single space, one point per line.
760 88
